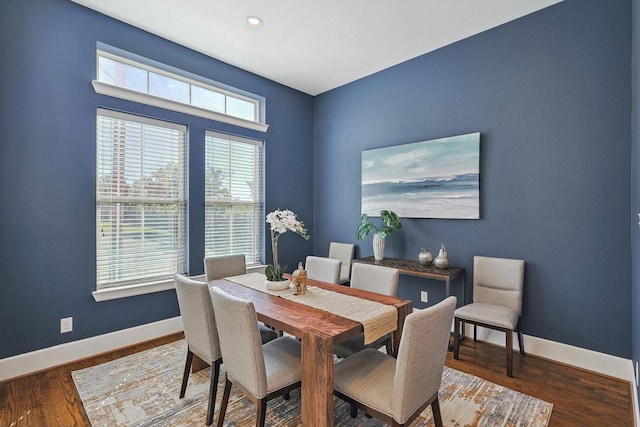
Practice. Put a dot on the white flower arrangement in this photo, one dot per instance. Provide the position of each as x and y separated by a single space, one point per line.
281 221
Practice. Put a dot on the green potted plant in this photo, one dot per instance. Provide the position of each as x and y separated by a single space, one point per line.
390 222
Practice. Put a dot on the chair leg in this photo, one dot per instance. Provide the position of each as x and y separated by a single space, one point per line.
213 390
437 416
521 341
388 345
509 353
456 338
261 412
286 396
353 411
475 333
225 400
185 376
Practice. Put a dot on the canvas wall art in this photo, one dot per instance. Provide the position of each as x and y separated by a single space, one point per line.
438 178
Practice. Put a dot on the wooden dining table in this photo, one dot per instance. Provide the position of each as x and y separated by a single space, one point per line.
318 331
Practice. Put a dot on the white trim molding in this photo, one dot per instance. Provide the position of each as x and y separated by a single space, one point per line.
590 360
144 98
39 360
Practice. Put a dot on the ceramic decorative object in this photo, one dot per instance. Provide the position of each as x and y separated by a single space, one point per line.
425 257
378 247
299 280
441 260
280 285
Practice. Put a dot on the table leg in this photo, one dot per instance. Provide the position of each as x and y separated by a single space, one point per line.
447 288
317 379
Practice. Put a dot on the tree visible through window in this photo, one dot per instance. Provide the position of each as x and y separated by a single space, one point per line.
234 202
140 199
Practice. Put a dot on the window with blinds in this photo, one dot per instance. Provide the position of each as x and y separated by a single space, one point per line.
140 199
234 197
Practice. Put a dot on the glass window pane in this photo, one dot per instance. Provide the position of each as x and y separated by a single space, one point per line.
205 98
123 75
168 88
140 194
233 197
241 108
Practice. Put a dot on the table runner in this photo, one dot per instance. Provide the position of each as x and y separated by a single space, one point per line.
377 319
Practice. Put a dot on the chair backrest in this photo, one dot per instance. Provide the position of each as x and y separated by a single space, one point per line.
217 267
375 278
240 341
344 253
498 281
421 357
198 318
323 269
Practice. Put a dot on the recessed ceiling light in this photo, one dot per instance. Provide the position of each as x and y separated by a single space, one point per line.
254 22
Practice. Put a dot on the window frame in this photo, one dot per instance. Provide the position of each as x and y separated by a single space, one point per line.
253 260
142 285
146 98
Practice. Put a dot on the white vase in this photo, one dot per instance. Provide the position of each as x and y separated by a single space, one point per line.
378 247
278 286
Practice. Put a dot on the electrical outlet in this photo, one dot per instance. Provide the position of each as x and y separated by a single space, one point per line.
66 325
424 296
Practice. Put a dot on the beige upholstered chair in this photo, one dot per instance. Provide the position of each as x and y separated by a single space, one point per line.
344 253
262 372
323 269
373 278
200 333
397 390
218 267
497 302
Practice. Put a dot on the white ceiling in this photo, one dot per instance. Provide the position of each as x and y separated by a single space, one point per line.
315 45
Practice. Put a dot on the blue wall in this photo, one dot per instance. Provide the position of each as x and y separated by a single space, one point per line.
550 94
635 167
47 168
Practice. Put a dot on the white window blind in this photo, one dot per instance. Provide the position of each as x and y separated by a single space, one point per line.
234 197
140 199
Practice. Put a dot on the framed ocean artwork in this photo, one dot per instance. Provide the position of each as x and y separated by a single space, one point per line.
438 178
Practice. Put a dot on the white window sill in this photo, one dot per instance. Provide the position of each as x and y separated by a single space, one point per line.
148 288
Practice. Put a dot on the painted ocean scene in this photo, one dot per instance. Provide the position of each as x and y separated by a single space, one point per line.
439 178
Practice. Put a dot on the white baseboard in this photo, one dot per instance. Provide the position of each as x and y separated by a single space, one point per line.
34 361
575 356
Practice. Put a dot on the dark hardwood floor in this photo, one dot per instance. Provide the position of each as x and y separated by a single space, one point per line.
580 398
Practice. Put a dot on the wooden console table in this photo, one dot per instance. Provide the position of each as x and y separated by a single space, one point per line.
414 268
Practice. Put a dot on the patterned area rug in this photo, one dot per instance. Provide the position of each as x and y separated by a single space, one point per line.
142 390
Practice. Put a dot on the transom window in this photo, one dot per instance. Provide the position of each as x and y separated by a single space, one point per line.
234 196
128 76
140 199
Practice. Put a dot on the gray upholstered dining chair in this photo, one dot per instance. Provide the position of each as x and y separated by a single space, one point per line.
396 391
200 333
497 302
218 267
262 372
323 269
344 253
373 278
